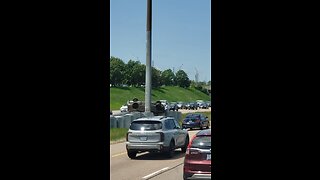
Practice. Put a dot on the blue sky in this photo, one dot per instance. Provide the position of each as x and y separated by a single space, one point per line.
181 34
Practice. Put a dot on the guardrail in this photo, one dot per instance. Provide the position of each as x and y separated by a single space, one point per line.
123 120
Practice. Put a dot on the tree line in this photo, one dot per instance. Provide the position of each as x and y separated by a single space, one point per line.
133 74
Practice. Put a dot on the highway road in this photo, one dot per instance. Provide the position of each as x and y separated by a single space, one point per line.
154 166
146 165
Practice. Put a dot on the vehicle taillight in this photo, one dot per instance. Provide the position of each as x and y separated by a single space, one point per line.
161 136
127 136
189 145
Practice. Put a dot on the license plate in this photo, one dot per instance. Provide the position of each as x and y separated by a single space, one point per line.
143 138
208 156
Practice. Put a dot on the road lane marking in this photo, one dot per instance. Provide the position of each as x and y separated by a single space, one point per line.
123 153
152 174
119 154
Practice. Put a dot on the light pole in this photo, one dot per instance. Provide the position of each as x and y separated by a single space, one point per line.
148 59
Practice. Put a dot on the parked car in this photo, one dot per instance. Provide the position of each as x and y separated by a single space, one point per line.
197 161
181 105
173 106
124 108
193 106
209 103
196 120
187 105
199 101
203 105
156 134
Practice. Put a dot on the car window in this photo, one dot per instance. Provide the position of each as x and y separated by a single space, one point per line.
203 142
176 124
171 124
167 124
146 125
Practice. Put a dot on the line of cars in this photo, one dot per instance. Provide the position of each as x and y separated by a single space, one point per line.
175 106
164 134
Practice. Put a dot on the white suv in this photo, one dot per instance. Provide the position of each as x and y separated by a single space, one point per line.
156 134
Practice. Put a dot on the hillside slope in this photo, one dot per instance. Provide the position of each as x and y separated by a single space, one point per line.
120 95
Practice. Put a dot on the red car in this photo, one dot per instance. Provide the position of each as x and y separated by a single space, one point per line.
197 162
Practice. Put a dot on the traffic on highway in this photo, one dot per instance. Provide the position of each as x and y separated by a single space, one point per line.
158 147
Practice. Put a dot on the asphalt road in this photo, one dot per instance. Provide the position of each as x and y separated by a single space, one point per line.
146 166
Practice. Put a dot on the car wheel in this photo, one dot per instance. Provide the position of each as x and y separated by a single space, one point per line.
132 154
184 148
171 150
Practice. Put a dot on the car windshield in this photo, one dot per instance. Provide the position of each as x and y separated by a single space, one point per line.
203 142
146 125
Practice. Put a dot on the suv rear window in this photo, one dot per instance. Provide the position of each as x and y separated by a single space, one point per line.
202 142
146 125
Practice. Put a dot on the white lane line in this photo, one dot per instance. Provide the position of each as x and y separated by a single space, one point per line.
119 154
152 174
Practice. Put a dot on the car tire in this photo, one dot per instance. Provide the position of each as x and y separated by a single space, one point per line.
171 149
132 154
184 148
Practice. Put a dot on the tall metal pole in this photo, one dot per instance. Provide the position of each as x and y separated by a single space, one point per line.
148 59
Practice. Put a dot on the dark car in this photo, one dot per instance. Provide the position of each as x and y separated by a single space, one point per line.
196 120
209 103
173 106
181 105
193 106
197 161
203 105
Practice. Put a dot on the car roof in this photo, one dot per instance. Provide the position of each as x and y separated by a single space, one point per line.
153 118
206 132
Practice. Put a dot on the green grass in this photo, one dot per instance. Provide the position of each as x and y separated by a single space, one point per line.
120 95
118 133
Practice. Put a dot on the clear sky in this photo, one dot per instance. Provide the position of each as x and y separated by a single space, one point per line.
181 34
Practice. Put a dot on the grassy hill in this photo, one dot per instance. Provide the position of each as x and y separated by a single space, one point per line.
120 95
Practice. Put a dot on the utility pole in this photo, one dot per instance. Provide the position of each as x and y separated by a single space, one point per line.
148 59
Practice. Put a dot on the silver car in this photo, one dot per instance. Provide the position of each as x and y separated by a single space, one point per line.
156 134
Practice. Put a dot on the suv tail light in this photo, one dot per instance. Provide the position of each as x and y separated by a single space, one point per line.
127 136
161 136
192 151
189 145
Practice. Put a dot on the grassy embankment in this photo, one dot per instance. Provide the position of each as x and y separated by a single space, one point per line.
119 96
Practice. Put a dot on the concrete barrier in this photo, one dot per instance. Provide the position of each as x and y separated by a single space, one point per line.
177 115
113 122
127 120
120 121
124 121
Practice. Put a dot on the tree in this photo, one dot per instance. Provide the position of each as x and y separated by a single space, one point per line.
182 79
129 77
117 67
156 77
138 75
167 77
